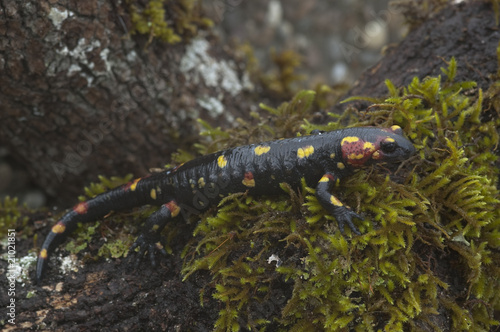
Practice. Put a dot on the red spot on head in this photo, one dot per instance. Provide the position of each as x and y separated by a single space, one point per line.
81 208
355 153
248 176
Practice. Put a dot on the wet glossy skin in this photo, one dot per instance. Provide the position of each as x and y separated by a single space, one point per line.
320 158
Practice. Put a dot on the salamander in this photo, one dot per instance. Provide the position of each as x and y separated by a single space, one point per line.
321 159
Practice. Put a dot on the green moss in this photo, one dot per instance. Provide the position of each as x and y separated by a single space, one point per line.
430 239
496 9
12 216
82 237
168 20
282 81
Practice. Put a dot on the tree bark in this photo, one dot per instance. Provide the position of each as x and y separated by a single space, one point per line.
79 97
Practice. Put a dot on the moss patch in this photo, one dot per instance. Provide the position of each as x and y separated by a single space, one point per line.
168 20
12 216
430 238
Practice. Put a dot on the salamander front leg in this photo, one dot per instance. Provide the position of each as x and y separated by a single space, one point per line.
150 239
342 214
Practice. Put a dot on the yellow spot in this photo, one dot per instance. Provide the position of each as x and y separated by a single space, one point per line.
153 193
248 180
376 155
395 128
305 151
335 201
155 227
58 228
332 155
261 149
192 183
222 161
133 186
355 156
201 182
174 208
340 166
43 253
370 147
389 139
176 211
248 183
324 179
349 139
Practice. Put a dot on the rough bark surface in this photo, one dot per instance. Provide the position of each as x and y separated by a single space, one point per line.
79 97
109 296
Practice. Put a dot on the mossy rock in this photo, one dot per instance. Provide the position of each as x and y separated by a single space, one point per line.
430 237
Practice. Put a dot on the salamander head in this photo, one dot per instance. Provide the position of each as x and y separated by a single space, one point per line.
374 145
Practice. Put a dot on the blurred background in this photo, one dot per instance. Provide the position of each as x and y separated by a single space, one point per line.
336 39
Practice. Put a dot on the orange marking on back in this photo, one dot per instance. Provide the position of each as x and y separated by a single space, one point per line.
173 207
81 208
248 180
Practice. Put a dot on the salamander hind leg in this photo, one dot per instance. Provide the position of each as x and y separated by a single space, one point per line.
150 240
333 205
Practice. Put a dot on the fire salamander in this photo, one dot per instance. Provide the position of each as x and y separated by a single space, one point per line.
321 158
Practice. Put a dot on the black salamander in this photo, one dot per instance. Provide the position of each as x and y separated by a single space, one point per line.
321 158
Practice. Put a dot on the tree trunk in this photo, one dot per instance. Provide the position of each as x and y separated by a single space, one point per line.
79 97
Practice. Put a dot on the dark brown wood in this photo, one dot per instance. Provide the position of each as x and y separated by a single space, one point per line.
80 97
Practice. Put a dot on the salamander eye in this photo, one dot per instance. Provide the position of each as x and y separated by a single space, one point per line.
388 147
